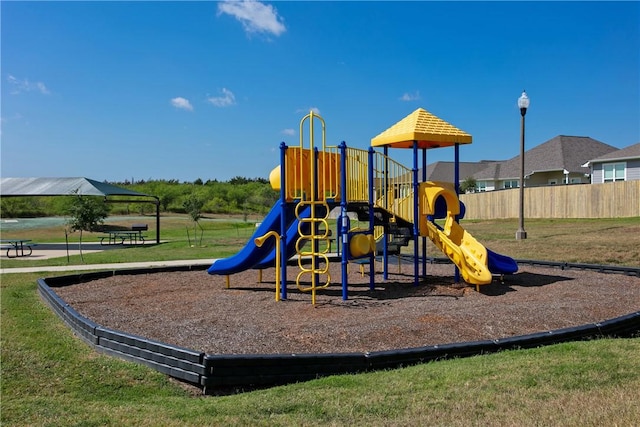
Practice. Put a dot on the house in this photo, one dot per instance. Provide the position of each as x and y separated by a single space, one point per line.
444 171
619 165
561 160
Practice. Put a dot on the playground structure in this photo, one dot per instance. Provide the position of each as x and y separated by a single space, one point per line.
399 208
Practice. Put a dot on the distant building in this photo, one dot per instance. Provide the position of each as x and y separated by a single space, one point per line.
561 160
443 171
619 165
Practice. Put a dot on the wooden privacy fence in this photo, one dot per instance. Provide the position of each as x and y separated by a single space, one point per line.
609 200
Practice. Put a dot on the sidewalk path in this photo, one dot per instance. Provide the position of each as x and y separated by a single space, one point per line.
114 266
59 250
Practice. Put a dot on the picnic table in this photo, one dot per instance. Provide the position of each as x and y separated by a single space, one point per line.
118 237
17 247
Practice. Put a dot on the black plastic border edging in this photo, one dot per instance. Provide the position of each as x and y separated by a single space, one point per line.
211 371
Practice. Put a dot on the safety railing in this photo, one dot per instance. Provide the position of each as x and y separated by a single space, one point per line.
392 181
393 186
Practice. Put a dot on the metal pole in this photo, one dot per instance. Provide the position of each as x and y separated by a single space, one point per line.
521 234
372 258
283 222
416 261
157 203
456 184
424 238
385 236
343 227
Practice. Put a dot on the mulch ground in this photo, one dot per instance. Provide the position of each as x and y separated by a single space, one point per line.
197 311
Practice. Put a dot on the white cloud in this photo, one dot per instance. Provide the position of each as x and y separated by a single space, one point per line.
306 111
256 17
16 116
18 86
410 96
182 103
288 132
227 98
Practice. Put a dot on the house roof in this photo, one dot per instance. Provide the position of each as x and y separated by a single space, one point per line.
443 171
61 187
424 128
562 153
627 153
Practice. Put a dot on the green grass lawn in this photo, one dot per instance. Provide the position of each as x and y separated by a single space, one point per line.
49 377
604 241
215 239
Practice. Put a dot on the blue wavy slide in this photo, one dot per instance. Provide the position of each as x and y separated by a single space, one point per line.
500 264
292 237
252 256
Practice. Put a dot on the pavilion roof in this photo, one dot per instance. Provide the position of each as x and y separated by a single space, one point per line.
428 130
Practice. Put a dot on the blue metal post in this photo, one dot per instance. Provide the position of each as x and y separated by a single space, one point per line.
385 237
456 185
283 222
424 238
416 265
372 259
343 226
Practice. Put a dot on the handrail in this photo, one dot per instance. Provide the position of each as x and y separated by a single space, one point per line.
259 241
393 183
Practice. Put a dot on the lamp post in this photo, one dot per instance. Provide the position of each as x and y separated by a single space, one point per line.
523 104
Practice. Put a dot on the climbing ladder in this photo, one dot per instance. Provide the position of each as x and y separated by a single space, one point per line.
312 180
320 186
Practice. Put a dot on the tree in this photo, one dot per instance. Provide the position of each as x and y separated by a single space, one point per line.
469 185
85 214
193 206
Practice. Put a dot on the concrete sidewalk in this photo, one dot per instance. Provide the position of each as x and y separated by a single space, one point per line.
114 266
60 250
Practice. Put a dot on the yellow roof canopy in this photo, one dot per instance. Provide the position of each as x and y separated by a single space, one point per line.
424 128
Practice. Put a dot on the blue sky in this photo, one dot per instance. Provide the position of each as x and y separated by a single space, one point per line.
184 90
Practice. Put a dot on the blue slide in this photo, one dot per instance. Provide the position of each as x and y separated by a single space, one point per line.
500 264
292 237
251 254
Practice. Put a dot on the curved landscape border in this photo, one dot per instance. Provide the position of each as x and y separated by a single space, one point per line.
212 371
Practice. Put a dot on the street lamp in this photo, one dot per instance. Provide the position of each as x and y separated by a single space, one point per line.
523 104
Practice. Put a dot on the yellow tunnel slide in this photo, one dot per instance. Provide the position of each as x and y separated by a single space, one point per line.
469 255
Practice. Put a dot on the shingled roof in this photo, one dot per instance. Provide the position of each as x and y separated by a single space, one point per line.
627 153
562 153
443 171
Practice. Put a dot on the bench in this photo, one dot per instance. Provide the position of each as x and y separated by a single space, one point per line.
330 240
118 237
8 248
112 237
19 247
140 228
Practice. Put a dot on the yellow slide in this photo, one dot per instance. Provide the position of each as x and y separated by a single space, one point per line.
454 241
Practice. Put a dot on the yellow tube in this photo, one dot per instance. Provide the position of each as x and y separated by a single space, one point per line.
274 178
360 245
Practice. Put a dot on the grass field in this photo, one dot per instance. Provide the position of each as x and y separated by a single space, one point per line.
49 377
604 241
